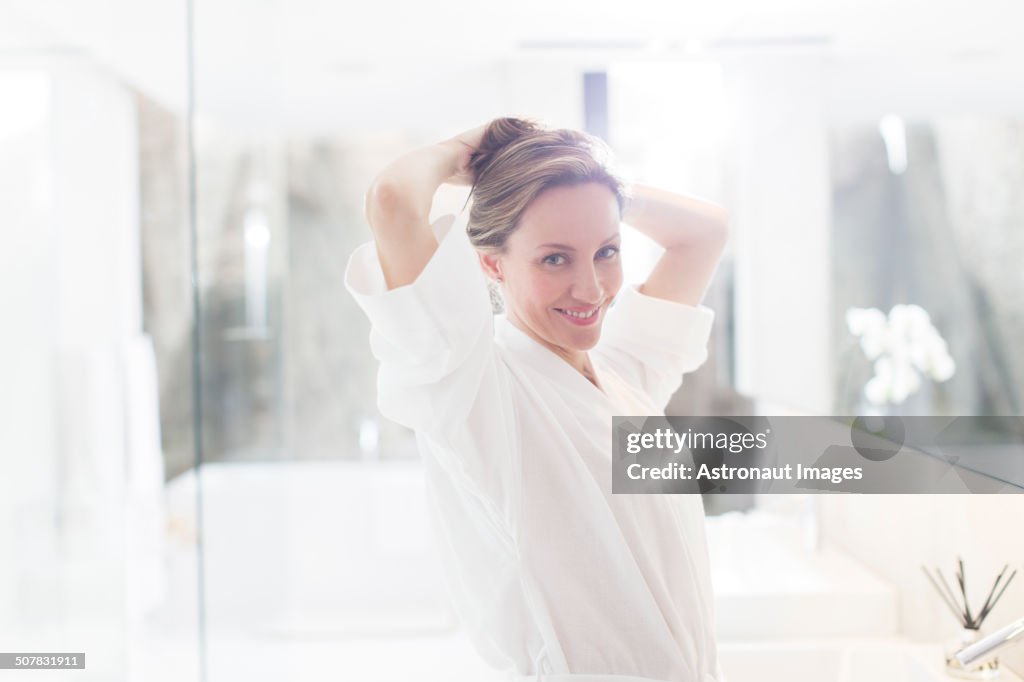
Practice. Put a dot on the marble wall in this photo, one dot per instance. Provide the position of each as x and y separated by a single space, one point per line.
945 234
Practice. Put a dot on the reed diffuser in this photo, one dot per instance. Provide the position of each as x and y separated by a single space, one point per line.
970 621
960 607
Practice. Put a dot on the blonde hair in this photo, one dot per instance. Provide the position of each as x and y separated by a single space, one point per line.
517 160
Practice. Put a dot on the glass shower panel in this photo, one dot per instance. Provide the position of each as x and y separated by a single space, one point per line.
317 555
99 548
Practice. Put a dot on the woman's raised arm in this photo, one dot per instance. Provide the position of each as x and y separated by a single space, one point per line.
692 232
399 200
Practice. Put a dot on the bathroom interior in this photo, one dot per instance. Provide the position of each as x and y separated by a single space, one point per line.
195 483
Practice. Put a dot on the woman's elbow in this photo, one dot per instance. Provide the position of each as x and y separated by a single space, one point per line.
381 197
387 207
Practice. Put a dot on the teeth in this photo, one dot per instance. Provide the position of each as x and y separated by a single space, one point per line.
583 316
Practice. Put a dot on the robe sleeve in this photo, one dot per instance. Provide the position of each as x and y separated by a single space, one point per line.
438 373
653 342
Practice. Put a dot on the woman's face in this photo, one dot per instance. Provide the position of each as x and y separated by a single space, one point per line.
561 266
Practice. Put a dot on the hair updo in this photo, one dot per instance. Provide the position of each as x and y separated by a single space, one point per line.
517 160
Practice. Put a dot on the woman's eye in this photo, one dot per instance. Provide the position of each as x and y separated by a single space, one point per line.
608 252
555 259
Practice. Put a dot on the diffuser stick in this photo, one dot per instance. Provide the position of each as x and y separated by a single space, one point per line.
963 590
949 591
985 607
942 594
996 600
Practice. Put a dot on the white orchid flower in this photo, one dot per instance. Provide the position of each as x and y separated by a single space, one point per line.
905 382
877 390
870 325
859 320
895 379
903 345
943 369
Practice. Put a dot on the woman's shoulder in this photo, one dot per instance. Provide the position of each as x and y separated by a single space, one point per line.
644 322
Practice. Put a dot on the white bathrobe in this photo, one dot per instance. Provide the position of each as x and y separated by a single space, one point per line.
553 576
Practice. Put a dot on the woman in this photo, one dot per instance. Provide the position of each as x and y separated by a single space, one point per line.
553 576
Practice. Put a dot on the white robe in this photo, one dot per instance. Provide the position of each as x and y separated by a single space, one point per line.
553 576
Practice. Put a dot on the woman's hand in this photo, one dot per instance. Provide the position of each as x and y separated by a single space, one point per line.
463 145
399 200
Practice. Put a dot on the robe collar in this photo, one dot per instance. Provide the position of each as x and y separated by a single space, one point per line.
512 338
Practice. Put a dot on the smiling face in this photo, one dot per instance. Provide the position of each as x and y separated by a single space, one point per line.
560 268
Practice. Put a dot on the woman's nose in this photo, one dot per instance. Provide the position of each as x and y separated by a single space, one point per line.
587 288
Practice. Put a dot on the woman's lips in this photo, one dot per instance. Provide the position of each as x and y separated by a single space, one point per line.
581 317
